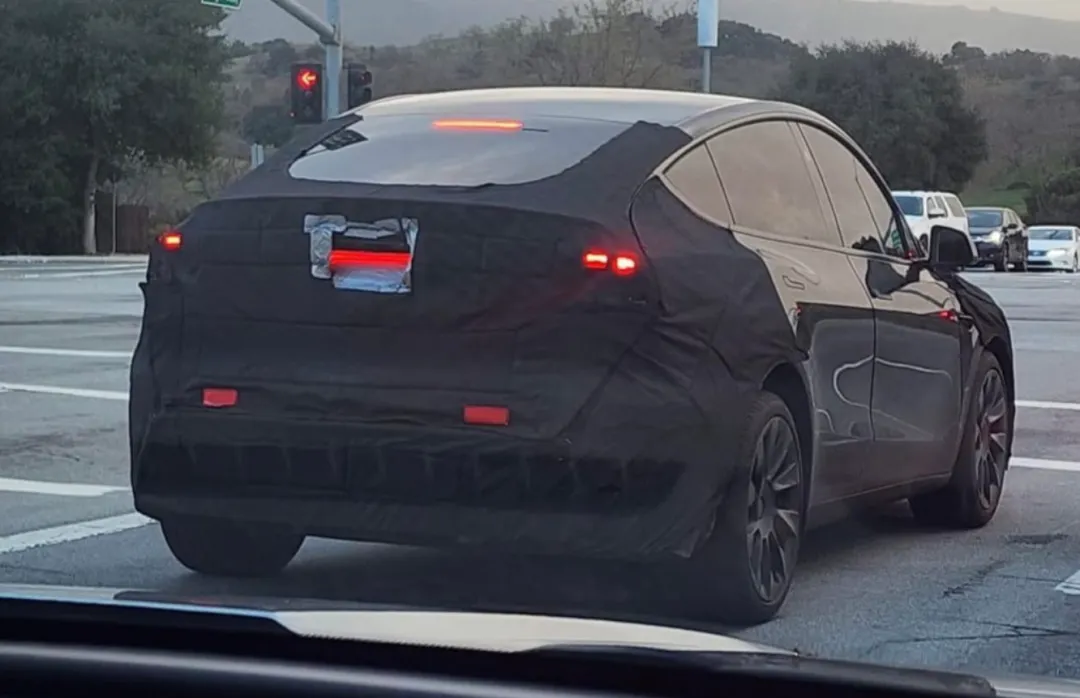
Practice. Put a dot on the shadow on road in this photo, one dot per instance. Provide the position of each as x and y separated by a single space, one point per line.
611 590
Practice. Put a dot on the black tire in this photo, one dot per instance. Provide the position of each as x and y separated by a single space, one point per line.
724 586
972 496
1003 263
226 549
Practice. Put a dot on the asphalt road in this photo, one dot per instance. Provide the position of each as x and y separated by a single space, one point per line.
877 589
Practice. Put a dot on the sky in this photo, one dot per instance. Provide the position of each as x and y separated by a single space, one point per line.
1060 9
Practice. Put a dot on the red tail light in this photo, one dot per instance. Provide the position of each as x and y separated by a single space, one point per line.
171 240
620 264
360 259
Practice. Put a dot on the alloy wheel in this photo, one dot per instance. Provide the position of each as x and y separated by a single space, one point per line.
991 439
776 502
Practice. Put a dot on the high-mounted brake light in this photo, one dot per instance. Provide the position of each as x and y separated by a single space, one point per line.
363 259
621 264
171 240
477 125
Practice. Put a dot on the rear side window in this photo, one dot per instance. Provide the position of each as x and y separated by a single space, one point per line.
955 207
694 179
768 183
423 150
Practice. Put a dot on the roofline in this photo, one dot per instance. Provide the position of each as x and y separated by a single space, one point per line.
714 119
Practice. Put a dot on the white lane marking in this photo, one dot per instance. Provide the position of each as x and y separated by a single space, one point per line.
1044 405
72 268
1068 466
1071 585
61 489
56 390
78 274
49 351
68 533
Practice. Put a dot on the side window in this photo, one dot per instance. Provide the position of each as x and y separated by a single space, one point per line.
862 209
768 182
893 236
694 178
838 170
955 207
936 206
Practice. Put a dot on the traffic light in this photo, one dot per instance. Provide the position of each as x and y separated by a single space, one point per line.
359 85
307 93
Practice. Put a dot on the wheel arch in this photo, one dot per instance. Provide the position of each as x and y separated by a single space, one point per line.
787 382
999 348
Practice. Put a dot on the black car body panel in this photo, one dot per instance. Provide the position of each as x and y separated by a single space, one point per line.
627 395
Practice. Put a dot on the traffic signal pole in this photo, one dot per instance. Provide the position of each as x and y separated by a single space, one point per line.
334 59
329 33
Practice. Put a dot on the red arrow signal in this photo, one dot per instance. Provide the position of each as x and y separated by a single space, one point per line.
307 79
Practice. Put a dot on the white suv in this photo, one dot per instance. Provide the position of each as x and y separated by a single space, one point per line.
925 209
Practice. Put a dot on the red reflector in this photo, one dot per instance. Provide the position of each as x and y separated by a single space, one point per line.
218 397
949 315
340 259
491 416
171 240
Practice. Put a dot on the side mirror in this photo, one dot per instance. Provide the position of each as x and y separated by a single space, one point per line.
937 214
1011 227
950 248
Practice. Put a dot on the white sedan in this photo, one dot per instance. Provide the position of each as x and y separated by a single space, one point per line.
1054 247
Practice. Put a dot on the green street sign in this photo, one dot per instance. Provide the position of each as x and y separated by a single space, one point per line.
224 4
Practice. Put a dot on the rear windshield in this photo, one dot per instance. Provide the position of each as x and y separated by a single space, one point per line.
984 219
453 151
910 205
1050 233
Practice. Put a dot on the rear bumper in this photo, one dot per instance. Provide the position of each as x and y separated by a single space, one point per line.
595 492
989 253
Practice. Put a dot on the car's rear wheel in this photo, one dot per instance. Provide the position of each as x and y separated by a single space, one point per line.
226 549
742 573
971 498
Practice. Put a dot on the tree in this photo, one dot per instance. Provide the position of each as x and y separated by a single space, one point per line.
268 124
128 80
1056 199
903 105
613 43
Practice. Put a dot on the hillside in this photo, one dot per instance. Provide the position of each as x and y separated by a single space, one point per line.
1031 101
377 22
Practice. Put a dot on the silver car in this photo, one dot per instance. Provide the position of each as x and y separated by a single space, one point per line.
1054 247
